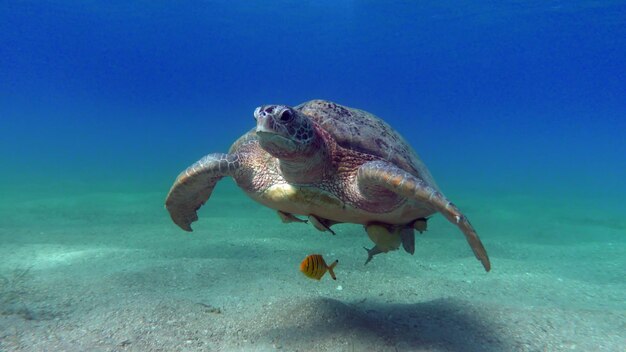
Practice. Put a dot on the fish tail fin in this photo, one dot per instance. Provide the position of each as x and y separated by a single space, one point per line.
370 254
331 267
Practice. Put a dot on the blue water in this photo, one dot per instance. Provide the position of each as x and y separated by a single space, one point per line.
520 96
500 98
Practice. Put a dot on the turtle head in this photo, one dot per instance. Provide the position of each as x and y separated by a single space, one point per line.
283 131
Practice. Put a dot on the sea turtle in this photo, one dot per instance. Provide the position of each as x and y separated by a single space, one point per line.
331 163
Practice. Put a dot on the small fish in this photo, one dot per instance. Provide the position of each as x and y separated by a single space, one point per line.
315 267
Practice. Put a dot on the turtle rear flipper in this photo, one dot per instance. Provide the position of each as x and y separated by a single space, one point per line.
407 235
194 186
391 177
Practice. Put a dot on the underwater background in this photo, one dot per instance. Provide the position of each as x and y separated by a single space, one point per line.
518 108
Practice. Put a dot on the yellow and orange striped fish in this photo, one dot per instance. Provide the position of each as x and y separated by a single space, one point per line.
315 267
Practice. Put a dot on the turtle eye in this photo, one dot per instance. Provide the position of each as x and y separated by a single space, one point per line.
286 116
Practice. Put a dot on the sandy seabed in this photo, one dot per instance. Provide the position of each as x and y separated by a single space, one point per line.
110 272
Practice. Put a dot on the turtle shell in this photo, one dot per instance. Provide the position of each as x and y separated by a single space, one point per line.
364 132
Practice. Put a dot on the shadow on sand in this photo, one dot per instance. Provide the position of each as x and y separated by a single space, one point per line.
440 325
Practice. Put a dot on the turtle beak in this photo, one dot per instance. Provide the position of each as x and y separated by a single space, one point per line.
262 128
269 133
265 122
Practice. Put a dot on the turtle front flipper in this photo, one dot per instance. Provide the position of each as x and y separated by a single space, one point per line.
194 186
389 176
